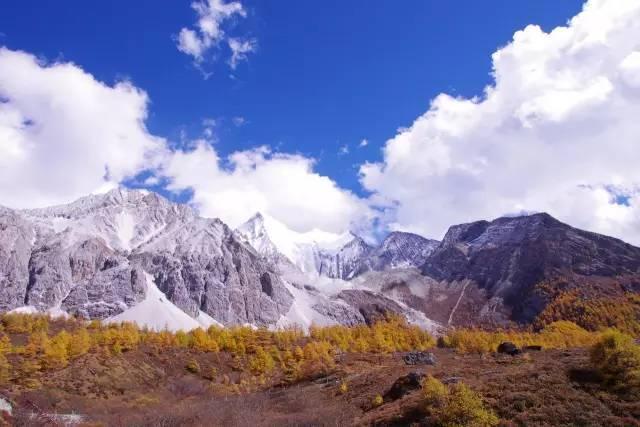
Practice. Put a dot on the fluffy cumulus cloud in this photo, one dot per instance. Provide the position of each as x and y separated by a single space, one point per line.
240 49
208 32
64 134
556 131
284 186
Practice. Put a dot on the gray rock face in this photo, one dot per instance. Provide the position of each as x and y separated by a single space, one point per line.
205 267
90 257
398 250
16 236
340 312
372 307
346 258
107 293
509 256
345 263
86 277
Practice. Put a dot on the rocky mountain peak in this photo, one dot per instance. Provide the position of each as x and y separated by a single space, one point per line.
398 250
253 228
102 254
508 228
509 256
464 233
255 234
396 238
91 258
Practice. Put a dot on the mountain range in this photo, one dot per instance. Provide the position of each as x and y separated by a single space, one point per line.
133 255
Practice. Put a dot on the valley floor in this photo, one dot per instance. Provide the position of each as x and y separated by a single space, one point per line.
143 387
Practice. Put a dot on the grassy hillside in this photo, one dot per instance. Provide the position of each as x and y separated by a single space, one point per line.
122 375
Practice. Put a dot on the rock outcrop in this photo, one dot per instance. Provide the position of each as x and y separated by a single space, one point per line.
508 257
97 257
398 250
89 259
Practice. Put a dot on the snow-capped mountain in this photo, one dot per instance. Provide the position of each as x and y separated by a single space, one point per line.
338 256
91 257
132 255
399 250
314 252
135 256
345 262
123 219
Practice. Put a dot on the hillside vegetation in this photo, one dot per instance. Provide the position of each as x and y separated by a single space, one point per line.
99 370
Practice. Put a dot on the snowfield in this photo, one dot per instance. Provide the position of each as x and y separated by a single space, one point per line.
157 313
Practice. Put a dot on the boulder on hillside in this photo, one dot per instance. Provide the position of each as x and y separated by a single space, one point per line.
404 385
419 358
508 348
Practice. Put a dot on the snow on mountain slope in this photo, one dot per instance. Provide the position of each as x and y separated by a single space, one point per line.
302 313
321 300
398 250
156 312
309 251
342 256
124 219
345 262
29 309
125 229
128 255
254 232
87 258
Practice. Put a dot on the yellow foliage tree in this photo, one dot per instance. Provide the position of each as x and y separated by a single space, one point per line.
79 343
36 344
201 341
5 345
261 362
455 406
617 357
56 353
5 366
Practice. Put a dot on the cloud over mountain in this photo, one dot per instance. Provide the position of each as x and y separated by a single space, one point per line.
556 131
282 185
64 134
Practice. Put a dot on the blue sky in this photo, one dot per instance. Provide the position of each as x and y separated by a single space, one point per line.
99 94
324 75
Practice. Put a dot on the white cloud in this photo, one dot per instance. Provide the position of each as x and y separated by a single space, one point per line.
284 186
240 49
363 143
208 32
343 150
209 122
239 121
64 134
190 43
208 126
152 181
557 131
